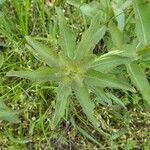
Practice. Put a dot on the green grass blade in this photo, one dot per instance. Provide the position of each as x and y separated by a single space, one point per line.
67 39
46 54
1 60
63 93
19 11
6 27
27 16
42 74
139 79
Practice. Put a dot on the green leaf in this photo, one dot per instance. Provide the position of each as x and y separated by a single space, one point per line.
119 15
144 54
63 93
105 64
116 100
1 60
2 105
129 50
10 116
102 97
67 39
139 79
42 52
90 9
83 96
90 38
42 74
99 79
75 3
116 34
142 18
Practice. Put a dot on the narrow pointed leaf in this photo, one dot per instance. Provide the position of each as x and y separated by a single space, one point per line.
90 38
67 39
116 34
116 100
107 63
42 74
63 93
102 97
139 79
99 79
145 54
142 18
87 105
43 52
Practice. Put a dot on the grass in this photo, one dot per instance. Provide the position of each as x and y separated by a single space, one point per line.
35 102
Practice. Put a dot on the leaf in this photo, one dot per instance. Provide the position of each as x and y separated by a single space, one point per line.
90 9
102 97
105 64
9 116
84 133
129 50
119 133
116 100
116 34
63 93
90 38
75 3
42 74
119 14
99 79
1 60
142 18
144 54
139 79
43 52
87 105
6 27
2 1
2 105
67 39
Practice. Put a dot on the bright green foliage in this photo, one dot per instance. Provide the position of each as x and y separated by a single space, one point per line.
90 38
23 18
139 79
63 93
138 52
142 17
116 34
67 38
6 114
74 67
